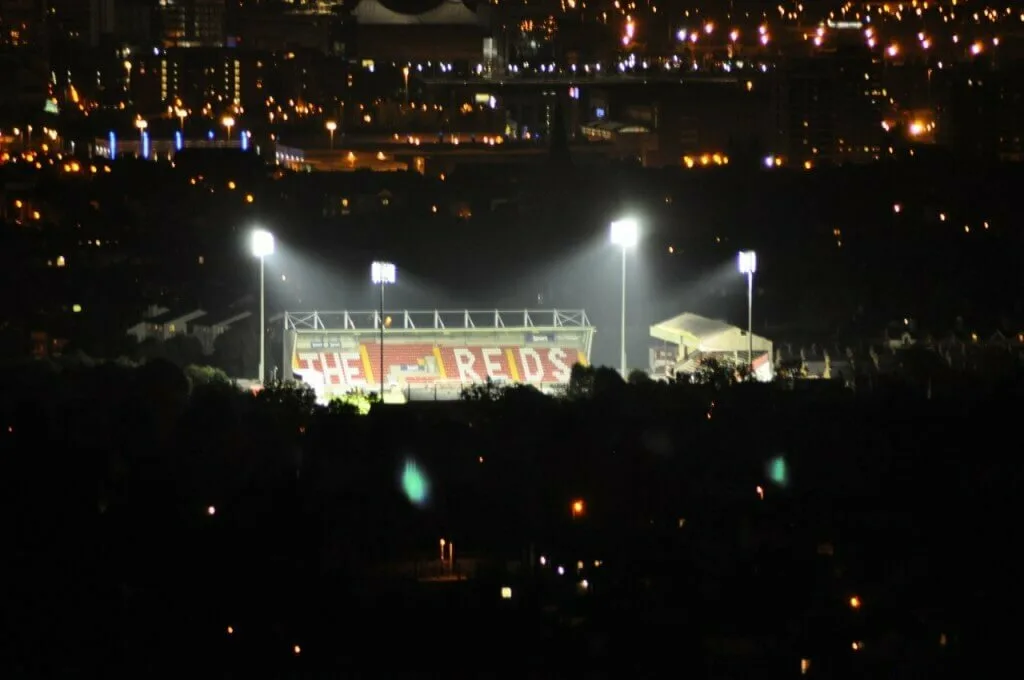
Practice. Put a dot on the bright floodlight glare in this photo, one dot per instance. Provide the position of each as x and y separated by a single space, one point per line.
383 272
625 232
262 243
748 262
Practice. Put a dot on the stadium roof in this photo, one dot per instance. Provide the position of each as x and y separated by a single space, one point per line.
223 317
440 320
706 335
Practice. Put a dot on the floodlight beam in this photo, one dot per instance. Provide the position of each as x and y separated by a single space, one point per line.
625 233
262 245
382 274
747 261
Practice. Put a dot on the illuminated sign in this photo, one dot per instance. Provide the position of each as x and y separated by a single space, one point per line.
427 364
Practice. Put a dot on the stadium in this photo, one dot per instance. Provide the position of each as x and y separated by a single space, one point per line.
434 355
688 339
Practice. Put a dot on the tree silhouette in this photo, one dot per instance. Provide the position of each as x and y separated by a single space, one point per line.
159 397
638 377
236 351
590 382
581 381
714 373
183 350
200 376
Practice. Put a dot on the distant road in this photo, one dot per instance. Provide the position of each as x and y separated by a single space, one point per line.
587 79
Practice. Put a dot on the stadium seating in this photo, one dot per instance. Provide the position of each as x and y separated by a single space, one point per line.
417 363
448 361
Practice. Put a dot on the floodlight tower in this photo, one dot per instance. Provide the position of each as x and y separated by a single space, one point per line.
262 244
748 266
625 233
382 274
332 127
141 125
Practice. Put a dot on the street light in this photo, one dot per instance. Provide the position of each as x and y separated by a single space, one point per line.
382 273
625 234
748 265
262 246
228 122
331 127
141 124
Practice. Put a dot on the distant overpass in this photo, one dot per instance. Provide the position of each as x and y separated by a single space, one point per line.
586 79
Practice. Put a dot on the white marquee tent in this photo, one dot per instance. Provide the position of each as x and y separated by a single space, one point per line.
699 335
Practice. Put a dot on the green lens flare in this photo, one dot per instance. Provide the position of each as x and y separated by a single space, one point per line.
414 484
778 472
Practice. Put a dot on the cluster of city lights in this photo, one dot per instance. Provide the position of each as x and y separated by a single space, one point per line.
709 31
705 160
582 584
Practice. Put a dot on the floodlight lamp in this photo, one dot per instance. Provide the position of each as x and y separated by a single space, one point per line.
383 272
228 121
262 243
625 232
331 126
747 262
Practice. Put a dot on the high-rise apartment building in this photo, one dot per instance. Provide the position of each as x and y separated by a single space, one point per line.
102 19
21 22
102 22
192 23
827 108
68 20
24 59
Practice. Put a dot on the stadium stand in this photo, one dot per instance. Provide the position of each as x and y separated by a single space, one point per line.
689 339
426 363
436 361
